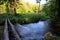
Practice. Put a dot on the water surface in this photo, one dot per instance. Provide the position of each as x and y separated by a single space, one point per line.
33 31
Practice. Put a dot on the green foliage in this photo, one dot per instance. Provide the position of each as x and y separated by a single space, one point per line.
51 9
23 18
2 8
44 16
21 7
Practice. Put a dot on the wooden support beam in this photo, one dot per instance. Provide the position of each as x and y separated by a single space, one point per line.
6 35
14 31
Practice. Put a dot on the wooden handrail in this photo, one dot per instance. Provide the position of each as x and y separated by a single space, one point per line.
14 31
6 35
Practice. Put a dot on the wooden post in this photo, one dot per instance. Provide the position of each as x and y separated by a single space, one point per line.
6 35
14 31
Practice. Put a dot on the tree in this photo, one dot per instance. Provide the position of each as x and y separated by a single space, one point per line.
15 7
51 9
55 18
15 3
7 4
38 1
10 3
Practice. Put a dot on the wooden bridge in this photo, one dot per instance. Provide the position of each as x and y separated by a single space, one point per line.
9 27
10 33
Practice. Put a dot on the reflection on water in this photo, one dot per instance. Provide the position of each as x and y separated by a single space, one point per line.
33 31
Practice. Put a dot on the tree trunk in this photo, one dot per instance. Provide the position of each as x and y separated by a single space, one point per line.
39 8
15 11
7 6
15 7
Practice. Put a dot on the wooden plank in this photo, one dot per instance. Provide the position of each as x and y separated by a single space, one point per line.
14 31
6 35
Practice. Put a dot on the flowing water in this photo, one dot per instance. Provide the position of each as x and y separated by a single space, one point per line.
33 31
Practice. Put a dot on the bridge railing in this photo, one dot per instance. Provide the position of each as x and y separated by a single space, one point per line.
13 30
6 35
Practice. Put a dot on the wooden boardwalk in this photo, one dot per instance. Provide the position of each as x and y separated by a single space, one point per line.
6 31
